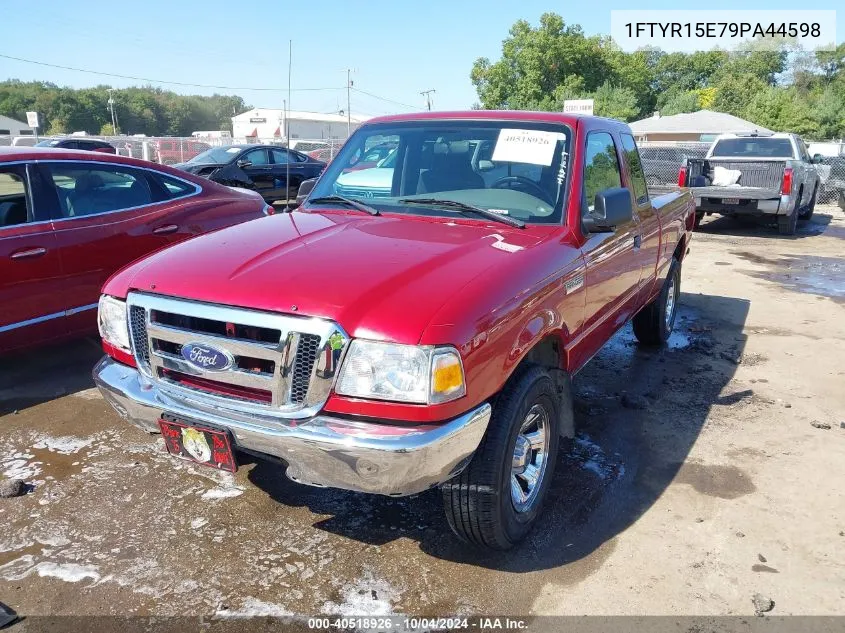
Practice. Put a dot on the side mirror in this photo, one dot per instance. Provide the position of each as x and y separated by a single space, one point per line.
305 188
244 163
612 207
817 158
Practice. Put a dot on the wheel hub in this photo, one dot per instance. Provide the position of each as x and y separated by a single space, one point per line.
530 455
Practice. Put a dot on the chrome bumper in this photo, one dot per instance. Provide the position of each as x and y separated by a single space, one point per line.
380 458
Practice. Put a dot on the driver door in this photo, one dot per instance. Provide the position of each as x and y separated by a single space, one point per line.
260 171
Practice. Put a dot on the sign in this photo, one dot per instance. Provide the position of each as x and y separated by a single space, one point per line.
578 106
258 120
32 119
534 147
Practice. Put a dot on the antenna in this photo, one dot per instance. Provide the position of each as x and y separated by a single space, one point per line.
427 94
287 127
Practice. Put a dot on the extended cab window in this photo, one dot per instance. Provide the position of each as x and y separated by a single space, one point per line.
635 165
601 167
14 205
86 190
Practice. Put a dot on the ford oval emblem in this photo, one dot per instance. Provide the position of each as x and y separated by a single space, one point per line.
207 357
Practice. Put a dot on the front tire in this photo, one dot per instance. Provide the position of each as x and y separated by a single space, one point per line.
654 323
497 499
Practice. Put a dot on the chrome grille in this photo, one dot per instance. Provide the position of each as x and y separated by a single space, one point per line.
362 192
282 365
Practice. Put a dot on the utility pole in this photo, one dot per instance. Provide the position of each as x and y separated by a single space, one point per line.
348 108
427 95
111 109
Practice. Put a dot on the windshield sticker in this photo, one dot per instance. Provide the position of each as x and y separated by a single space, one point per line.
502 211
233 150
526 146
561 175
502 245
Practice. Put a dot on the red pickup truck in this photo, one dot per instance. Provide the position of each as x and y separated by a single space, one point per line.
410 337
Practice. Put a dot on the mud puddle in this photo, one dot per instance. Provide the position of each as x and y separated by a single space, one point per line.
808 274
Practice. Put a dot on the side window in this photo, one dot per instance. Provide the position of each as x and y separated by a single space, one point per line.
14 203
175 188
258 157
280 157
601 166
632 158
86 190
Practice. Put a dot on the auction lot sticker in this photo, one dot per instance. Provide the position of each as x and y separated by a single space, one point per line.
526 146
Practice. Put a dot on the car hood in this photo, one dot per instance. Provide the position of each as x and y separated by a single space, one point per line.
378 277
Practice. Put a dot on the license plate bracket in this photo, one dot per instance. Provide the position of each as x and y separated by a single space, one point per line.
199 443
730 200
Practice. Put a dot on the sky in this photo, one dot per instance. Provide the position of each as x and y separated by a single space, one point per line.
395 49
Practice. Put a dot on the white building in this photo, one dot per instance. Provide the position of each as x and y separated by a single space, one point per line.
269 123
11 127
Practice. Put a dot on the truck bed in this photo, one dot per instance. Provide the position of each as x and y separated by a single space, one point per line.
759 180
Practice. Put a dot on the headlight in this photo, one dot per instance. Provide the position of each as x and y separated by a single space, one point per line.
402 373
111 318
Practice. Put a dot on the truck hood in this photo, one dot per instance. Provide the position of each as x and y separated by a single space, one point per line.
380 277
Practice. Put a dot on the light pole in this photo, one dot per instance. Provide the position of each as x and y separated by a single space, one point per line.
111 109
427 95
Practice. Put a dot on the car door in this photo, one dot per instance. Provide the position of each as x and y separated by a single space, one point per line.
31 302
104 216
293 165
612 258
649 221
260 171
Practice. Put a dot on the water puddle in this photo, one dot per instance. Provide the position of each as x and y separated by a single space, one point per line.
808 274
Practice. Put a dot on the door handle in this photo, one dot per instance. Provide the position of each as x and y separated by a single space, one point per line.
638 240
167 228
29 252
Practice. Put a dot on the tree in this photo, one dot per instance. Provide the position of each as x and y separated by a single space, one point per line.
681 102
616 102
734 92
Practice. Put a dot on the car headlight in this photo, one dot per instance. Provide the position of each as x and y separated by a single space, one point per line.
402 373
111 319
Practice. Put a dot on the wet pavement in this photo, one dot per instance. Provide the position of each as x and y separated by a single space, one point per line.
112 524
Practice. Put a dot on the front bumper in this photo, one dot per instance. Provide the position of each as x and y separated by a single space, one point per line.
383 458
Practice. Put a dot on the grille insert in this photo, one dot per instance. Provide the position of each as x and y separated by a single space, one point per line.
306 355
138 330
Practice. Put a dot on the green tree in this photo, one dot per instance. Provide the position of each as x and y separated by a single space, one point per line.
616 102
681 102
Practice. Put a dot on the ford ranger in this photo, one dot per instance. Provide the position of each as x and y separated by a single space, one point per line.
391 342
752 174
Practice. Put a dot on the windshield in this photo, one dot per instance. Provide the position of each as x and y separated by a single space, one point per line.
216 155
513 168
753 147
50 142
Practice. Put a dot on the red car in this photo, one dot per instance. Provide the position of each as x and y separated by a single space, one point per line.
172 151
69 219
421 337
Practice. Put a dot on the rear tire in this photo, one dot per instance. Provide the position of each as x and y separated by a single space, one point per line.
787 224
698 218
654 323
482 504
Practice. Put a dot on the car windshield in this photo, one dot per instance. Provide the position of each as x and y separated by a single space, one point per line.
50 142
753 147
216 155
513 168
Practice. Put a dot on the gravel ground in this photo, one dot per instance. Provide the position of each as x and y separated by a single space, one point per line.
704 480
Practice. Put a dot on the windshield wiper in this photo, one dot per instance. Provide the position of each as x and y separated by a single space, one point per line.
463 206
349 202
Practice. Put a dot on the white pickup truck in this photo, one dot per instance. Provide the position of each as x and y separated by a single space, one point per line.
754 174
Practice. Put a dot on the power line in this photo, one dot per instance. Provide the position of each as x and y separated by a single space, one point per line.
370 94
427 95
155 81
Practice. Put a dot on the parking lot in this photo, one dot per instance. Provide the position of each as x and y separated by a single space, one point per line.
701 474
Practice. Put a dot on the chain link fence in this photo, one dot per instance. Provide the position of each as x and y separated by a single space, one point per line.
662 161
170 150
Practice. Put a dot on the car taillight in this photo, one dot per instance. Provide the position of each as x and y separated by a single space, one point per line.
269 210
682 177
786 187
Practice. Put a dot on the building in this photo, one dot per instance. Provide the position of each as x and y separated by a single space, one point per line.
703 125
267 124
12 127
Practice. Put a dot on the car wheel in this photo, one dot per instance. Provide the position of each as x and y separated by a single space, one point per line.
698 218
654 323
787 224
808 211
498 498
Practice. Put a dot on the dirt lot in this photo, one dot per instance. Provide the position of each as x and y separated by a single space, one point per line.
696 481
